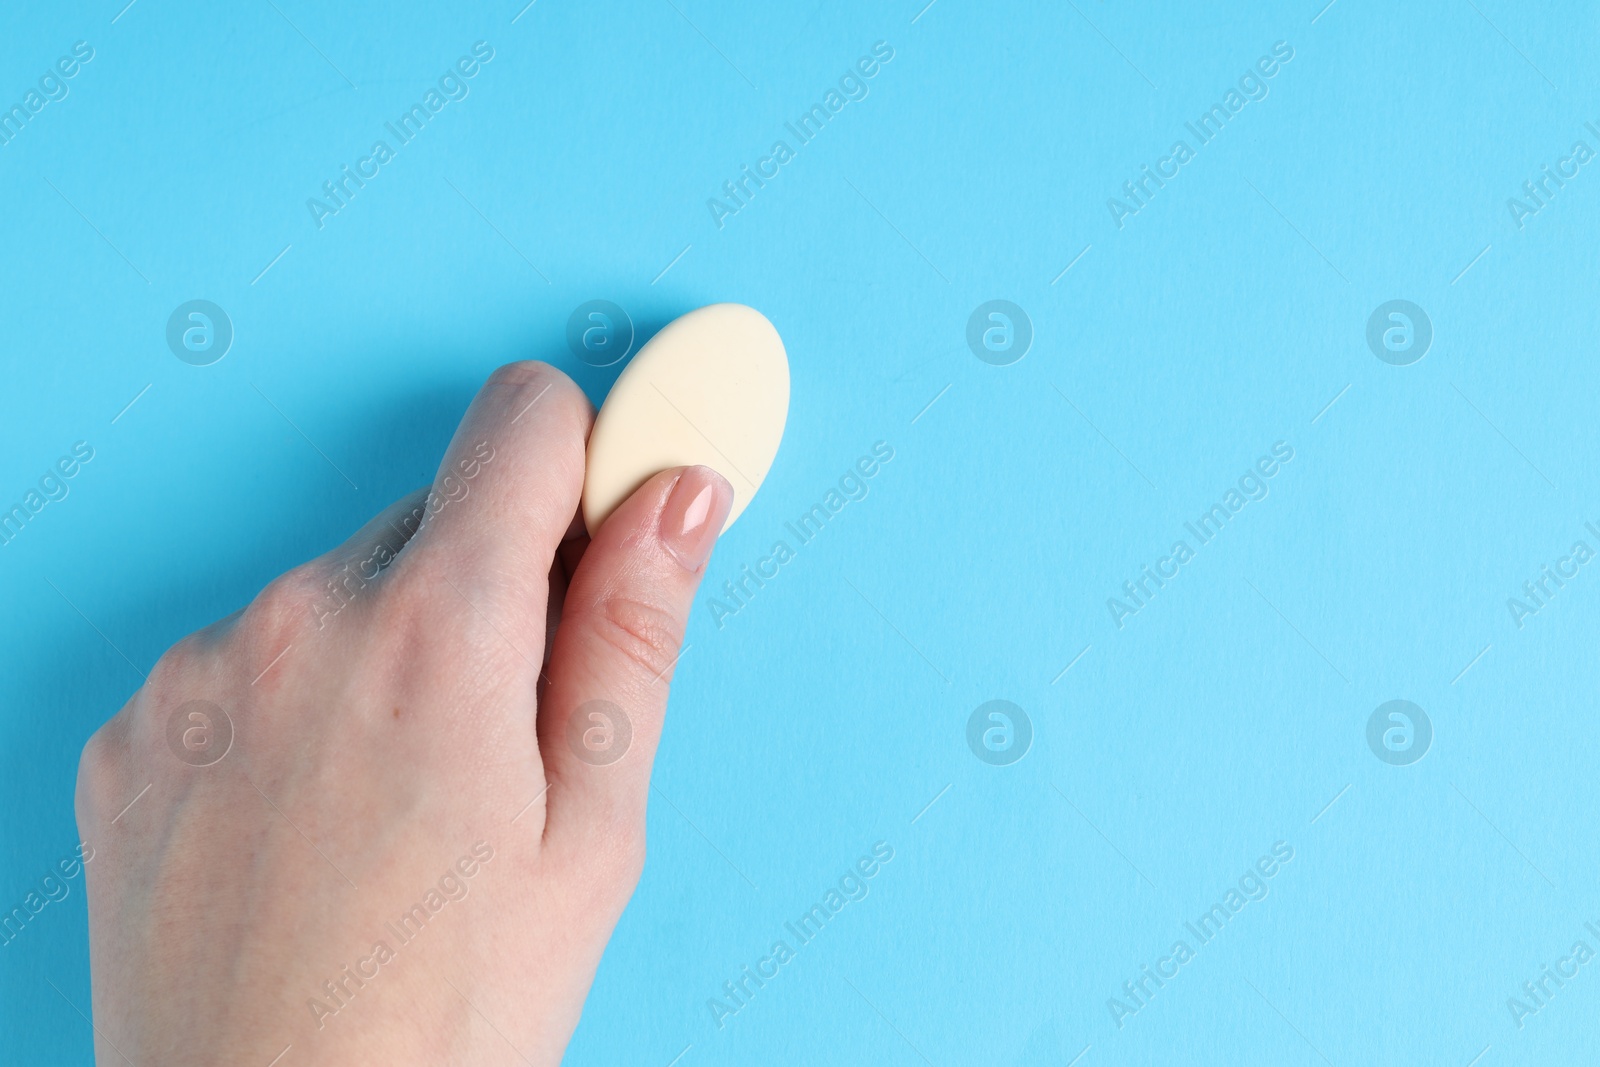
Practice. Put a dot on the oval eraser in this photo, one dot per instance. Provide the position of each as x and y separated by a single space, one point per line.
712 388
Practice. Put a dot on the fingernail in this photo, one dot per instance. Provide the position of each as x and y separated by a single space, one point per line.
693 517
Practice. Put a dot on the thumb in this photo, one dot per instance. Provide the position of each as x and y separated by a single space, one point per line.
614 651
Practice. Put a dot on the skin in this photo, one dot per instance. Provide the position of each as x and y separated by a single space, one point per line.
433 719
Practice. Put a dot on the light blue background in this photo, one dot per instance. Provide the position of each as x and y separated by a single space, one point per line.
825 716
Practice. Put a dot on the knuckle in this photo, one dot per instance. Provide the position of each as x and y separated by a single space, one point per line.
646 635
556 392
284 607
100 772
525 372
174 670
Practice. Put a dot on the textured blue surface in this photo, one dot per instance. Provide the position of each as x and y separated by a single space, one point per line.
1225 316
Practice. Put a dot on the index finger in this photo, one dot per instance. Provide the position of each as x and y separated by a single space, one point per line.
508 487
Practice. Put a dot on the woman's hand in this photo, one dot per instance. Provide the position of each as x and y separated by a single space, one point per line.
391 811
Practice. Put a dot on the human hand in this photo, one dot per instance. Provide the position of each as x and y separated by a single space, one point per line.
408 832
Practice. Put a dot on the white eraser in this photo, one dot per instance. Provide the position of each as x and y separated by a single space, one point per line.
712 388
